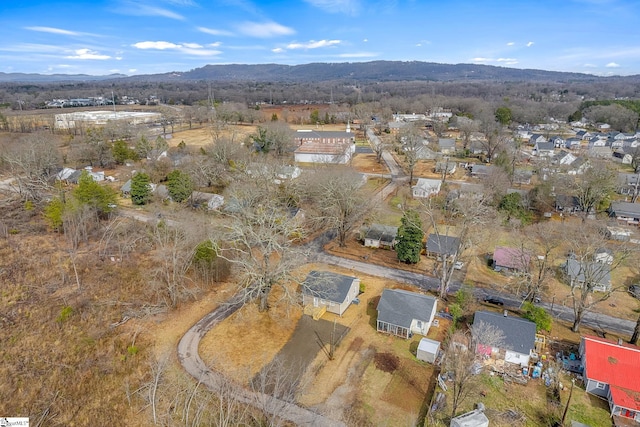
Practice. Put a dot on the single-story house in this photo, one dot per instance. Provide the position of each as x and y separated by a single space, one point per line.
510 259
622 157
625 212
596 275
404 313
332 290
522 177
536 138
604 255
447 145
518 337
481 171
428 350
448 166
324 146
612 372
573 143
475 418
621 234
212 201
627 183
438 245
567 204
379 236
543 149
426 187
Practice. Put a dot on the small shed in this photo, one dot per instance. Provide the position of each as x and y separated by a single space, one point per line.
428 350
475 418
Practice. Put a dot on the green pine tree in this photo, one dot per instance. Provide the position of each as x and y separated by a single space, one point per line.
179 185
140 189
89 192
409 239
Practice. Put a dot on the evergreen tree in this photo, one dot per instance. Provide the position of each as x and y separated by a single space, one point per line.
179 185
140 189
409 240
89 192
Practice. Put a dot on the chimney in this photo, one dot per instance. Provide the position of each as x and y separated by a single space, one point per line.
620 341
504 313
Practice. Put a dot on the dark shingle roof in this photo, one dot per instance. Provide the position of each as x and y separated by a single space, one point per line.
400 307
327 285
442 245
519 334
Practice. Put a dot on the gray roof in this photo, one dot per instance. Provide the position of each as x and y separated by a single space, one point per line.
596 272
385 233
400 307
547 146
443 245
519 334
446 143
631 210
126 188
327 285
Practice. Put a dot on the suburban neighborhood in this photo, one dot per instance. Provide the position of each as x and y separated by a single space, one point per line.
316 264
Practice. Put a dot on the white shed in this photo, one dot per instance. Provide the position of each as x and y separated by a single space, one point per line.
475 418
428 350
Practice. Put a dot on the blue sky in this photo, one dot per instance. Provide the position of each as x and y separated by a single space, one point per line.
98 37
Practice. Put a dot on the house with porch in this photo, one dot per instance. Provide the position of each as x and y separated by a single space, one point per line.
426 187
518 337
625 212
314 146
328 291
379 236
596 275
612 372
404 313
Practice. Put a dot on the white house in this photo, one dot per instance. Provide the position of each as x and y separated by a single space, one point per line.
333 291
403 313
518 337
426 187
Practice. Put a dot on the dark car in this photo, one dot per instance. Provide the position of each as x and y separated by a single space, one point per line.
493 300
635 291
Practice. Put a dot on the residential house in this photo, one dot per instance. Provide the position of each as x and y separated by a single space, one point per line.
379 236
625 212
324 146
628 183
403 313
426 187
439 245
536 138
603 126
518 337
603 255
481 171
558 141
445 166
612 372
622 157
578 166
511 260
210 200
522 177
72 176
597 141
564 158
584 135
543 149
573 143
447 145
567 204
595 275
333 291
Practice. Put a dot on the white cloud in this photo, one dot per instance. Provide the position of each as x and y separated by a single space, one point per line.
480 59
214 32
612 65
313 44
194 49
529 44
350 7
156 45
87 54
510 44
365 40
589 65
277 50
52 30
137 8
502 61
264 29
216 44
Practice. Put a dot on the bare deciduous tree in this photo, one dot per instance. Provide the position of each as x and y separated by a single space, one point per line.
411 142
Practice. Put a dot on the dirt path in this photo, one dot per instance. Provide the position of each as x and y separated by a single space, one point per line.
195 366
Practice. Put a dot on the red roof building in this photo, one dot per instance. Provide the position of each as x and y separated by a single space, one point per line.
612 371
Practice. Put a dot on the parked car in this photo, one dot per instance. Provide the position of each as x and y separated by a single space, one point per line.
635 291
493 300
